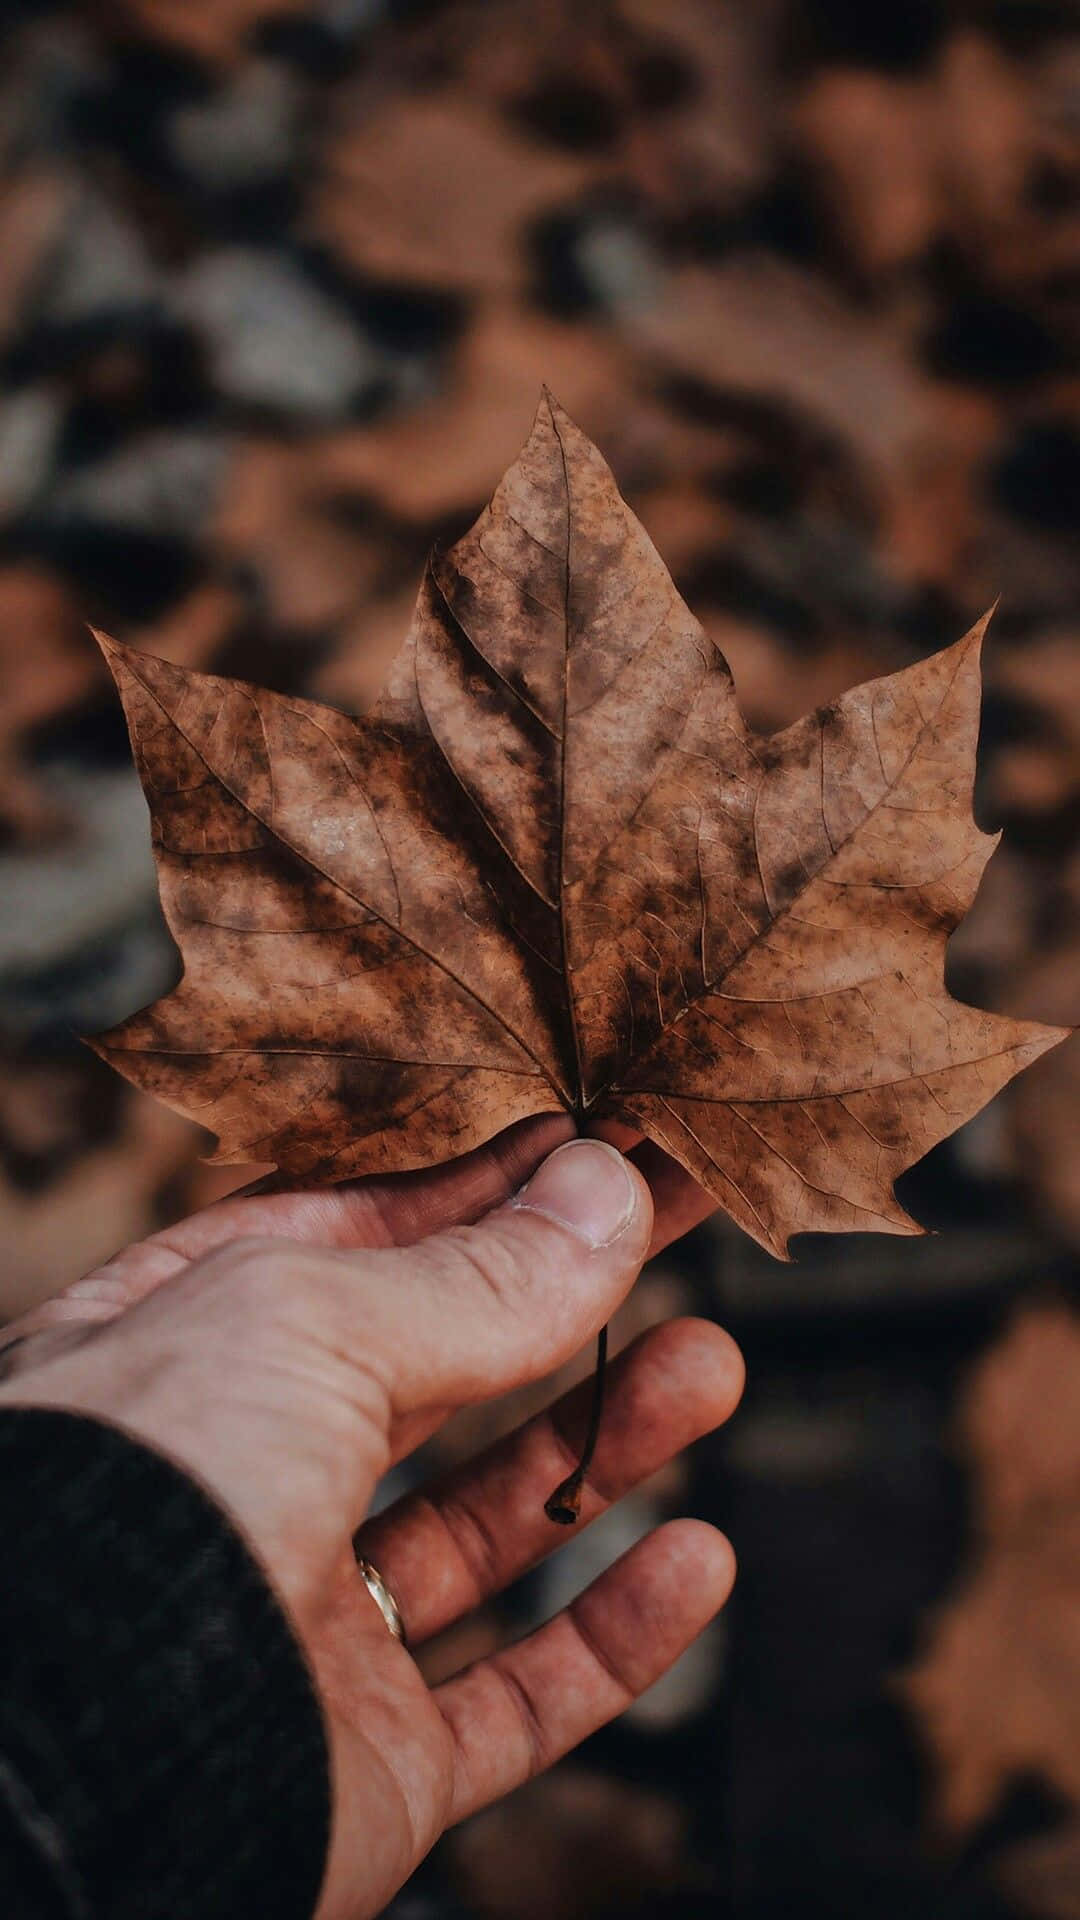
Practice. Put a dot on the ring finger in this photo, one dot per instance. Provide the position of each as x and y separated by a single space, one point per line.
445 1550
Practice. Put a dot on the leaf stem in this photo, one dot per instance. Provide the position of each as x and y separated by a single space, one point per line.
564 1505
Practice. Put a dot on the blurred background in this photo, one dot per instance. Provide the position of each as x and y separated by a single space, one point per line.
279 284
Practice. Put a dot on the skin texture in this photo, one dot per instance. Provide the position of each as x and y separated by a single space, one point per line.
286 1349
554 867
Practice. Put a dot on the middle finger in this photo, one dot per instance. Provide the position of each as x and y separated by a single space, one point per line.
445 1550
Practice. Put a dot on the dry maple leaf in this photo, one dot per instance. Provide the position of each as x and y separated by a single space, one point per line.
554 868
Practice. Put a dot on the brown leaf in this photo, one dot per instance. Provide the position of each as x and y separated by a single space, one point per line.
1044 1113
997 1690
1042 1874
755 328
573 1843
277 518
376 205
33 206
776 682
714 144
755 325
114 1190
211 30
1040 771
424 463
46 673
905 163
554 868
868 139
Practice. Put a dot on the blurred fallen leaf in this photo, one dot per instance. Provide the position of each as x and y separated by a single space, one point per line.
427 463
47 669
996 1691
379 206
1042 1875
110 1194
573 1844
218 31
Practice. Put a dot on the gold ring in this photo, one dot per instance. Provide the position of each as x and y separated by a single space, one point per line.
383 1598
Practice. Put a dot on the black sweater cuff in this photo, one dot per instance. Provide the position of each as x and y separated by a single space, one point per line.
162 1748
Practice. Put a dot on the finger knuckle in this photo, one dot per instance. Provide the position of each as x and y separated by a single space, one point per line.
529 1717
472 1540
256 1268
613 1666
481 1257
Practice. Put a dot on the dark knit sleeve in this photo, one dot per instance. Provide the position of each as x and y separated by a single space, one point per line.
162 1749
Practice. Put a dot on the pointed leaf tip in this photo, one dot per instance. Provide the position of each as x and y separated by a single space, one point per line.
975 635
551 406
112 652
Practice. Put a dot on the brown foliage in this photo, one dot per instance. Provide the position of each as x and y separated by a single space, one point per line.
66 1205
1042 1875
46 671
377 208
554 868
996 1689
574 1844
211 30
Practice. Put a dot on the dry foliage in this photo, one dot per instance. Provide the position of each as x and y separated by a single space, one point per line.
574 1844
1043 1875
211 30
377 208
555 868
46 671
997 1687
89 1202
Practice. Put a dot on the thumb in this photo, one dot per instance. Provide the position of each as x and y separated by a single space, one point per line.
474 1311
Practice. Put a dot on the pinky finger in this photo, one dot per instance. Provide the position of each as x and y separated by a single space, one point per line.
514 1714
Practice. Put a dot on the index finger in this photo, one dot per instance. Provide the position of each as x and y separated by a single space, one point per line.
395 1210
386 1210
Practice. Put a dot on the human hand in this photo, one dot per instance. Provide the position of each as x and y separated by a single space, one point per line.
287 1349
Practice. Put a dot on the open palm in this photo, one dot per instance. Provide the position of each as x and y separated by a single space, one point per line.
286 1349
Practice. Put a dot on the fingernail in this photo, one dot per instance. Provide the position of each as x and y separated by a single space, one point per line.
586 1186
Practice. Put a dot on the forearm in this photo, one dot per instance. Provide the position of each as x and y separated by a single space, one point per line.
162 1750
